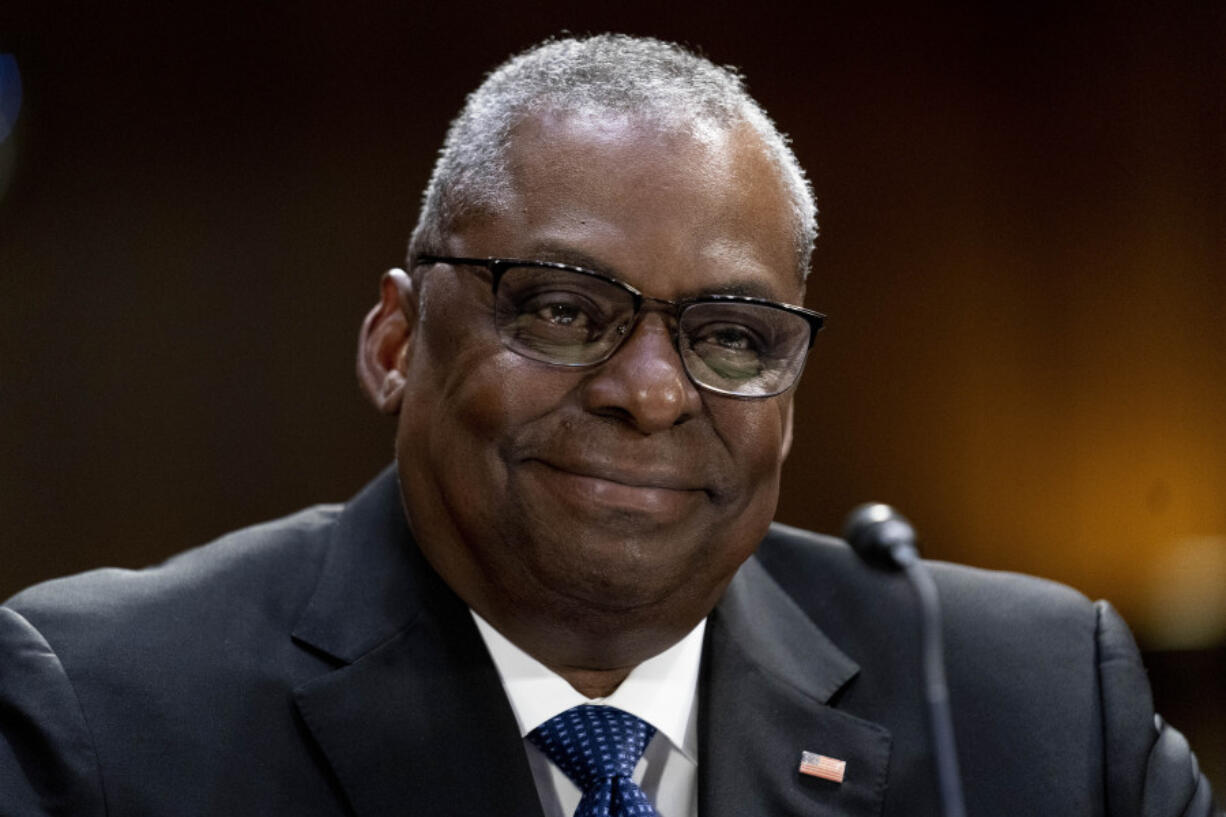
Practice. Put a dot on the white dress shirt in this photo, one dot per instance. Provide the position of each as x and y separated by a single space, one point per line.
662 691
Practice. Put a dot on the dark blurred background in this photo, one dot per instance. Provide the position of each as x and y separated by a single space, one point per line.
1023 254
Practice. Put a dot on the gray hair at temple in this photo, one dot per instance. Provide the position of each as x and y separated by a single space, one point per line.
603 74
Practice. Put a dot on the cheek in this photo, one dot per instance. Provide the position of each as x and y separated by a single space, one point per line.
478 397
494 397
754 433
454 366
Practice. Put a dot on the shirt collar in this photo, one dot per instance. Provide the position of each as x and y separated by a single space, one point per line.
662 690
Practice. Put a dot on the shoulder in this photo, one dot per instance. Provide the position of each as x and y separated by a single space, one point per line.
1031 664
1008 637
104 675
823 571
232 585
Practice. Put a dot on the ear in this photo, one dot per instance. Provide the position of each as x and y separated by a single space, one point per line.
384 341
785 447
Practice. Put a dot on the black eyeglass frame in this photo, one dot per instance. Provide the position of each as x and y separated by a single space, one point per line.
497 267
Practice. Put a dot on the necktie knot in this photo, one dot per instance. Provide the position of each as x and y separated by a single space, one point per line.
598 747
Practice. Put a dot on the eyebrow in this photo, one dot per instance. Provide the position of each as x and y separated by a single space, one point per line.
750 289
563 254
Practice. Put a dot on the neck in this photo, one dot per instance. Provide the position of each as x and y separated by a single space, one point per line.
593 683
593 654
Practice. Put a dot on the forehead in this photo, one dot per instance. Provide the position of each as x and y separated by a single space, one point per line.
673 210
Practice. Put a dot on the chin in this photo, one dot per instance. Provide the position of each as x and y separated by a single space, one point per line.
621 572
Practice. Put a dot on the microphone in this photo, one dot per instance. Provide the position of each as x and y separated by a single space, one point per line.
881 535
885 539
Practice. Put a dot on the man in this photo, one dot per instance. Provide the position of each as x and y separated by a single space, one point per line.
591 355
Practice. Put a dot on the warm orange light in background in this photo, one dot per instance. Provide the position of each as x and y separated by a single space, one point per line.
1054 395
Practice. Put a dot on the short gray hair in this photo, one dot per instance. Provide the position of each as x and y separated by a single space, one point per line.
607 73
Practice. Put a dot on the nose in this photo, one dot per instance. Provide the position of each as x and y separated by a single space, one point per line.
644 383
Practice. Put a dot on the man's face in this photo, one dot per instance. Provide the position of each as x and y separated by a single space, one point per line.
616 488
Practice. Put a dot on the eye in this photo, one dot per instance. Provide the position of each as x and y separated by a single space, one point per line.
561 313
734 338
724 349
563 310
727 338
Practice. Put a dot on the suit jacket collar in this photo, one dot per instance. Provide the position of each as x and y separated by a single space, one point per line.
414 718
770 677
374 581
414 715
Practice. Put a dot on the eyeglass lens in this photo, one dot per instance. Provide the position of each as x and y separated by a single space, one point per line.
573 319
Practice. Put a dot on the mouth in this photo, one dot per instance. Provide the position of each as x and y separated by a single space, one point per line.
664 496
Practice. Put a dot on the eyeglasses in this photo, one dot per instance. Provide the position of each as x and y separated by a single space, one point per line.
570 316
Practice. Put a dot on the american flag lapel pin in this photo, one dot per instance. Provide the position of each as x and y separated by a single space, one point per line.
827 768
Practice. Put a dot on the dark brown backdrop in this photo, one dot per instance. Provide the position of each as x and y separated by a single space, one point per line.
1022 253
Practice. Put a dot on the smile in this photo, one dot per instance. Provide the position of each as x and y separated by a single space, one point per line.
589 488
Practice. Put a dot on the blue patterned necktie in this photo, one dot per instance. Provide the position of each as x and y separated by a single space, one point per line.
597 747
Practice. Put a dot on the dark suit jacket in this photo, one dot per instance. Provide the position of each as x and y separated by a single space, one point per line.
318 666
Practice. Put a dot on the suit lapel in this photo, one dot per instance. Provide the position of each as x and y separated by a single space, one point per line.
414 717
769 677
